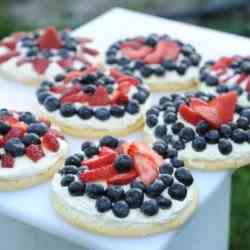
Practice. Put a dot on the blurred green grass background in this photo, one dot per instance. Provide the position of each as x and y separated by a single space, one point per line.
237 22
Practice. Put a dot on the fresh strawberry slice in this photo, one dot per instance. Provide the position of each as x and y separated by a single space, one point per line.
20 125
58 89
90 51
50 142
66 63
197 101
137 53
72 90
57 133
45 120
106 151
225 104
40 65
209 114
14 132
189 115
100 161
34 152
50 39
248 85
72 75
2 141
116 73
130 79
10 44
7 56
10 119
123 179
145 168
118 98
132 44
100 97
7 161
123 148
103 173
223 63
241 78
73 98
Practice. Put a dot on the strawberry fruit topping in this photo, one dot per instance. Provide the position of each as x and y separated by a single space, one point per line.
34 152
50 142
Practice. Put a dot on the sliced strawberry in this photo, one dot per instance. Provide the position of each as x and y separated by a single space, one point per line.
242 77
58 89
100 97
116 73
197 101
2 141
34 152
10 119
7 161
50 39
57 133
130 79
123 179
45 120
73 98
72 75
14 133
50 142
223 63
132 44
90 51
123 148
103 173
100 161
7 56
10 44
20 125
65 63
106 151
72 90
248 85
40 65
189 115
137 53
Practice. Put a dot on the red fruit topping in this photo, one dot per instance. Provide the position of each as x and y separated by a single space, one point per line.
106 151
72 75
7 56
7 161
73 98
223 63
196 101
103 173
123 179
40 65
123 148
50 142
10 44
130 79
90 51
66 63
58 89
20 125
34 152
100 97
242 77
45 120
14 133
132 44
50 39
189 115
57 133
116 73
10 119
137 53
118 98
2 141
107 157
248 85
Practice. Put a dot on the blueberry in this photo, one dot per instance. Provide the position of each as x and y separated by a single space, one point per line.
91 151
111 60
70 169
211 80
117 111
76 188
212 136
153 111
163 203
166 168
38 128
109 141
155 188
67 110
167 180
151 120
225 146
138 185
66 180
187 49
181 69
170 117
245 66
134 197
110 89
102 114
15 147
195 59
237 88
123 61
150 207
177 144
159 71
52 103
184 176
239 135
160 130
120 209
4 128
42 96
187 134
94 190
146 71
243 123
199 144
225 131
150 41
85 113
132 107
246 113
222 88
140 96
161 148
89 89
74 160
86 144
138 64
27 117
177 163
171 153
103 204
177 191
123 163
115 193
31 138
168 64
177 127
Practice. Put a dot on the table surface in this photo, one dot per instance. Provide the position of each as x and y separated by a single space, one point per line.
33 206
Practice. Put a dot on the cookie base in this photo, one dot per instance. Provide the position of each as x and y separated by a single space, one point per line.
12 185
85 222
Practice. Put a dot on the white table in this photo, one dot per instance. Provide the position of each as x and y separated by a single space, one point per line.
27 219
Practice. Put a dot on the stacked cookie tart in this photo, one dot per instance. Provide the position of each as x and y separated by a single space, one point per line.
164 63
227 74
206 131
92 103
123 188
32 150
33 56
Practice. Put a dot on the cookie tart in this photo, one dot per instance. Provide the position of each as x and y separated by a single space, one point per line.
31 57
31 150
206 132
122 188
91 103
163 63
227 74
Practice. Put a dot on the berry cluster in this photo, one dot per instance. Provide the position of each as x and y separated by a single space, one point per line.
21 133
227 74
210 123
91 88
45 46
134 177
152 55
